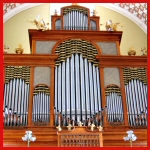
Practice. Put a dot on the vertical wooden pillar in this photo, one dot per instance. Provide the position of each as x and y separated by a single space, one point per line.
101 139
31 96
52 99
31 86
118 47
123 97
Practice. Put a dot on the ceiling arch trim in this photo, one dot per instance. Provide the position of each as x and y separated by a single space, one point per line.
19 9
125 13
110 6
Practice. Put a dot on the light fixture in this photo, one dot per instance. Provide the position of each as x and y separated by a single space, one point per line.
131 137
29 137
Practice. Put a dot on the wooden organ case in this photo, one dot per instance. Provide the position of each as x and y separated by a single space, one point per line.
75 88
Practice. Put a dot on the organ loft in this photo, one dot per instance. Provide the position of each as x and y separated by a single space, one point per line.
75 89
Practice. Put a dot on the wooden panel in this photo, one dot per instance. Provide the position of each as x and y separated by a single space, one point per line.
63 34
96 19
30 59
48 137
122 61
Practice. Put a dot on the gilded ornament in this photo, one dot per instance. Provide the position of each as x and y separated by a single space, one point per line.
144 51
6 48
40 24
110 26
19 49
131 51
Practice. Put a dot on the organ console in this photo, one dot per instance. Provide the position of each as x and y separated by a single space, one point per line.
75 77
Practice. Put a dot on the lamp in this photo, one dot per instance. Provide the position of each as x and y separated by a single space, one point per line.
131 137
29 137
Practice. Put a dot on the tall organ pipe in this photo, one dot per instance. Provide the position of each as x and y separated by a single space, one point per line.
41 111
79 79
15 97
136 102
75 20
114 106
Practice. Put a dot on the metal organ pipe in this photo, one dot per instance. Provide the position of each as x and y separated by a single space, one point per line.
144 87
67 86
22 110
91 88
79 81
139 104
109 110
73 101
82 88
63 88
141 97
26 103
87 88
98 89
59 87
75 20
15 98
95 91
134 94
135 101
41 105
114 104
128 106
121 108
133 106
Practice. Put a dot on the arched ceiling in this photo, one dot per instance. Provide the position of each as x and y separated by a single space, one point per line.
137 12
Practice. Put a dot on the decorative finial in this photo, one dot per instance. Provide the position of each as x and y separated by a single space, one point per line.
92 126
69 127
100 128
56 12
59 128
19 49
75 4
80 124
131 51
94 12
144 51
6 48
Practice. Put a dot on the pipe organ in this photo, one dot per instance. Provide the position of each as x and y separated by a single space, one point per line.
114 104
75 78
136 95
41 104
75 17
16 95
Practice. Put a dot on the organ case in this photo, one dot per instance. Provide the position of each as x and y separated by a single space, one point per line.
75 74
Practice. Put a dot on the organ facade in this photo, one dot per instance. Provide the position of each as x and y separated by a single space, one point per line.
75 79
